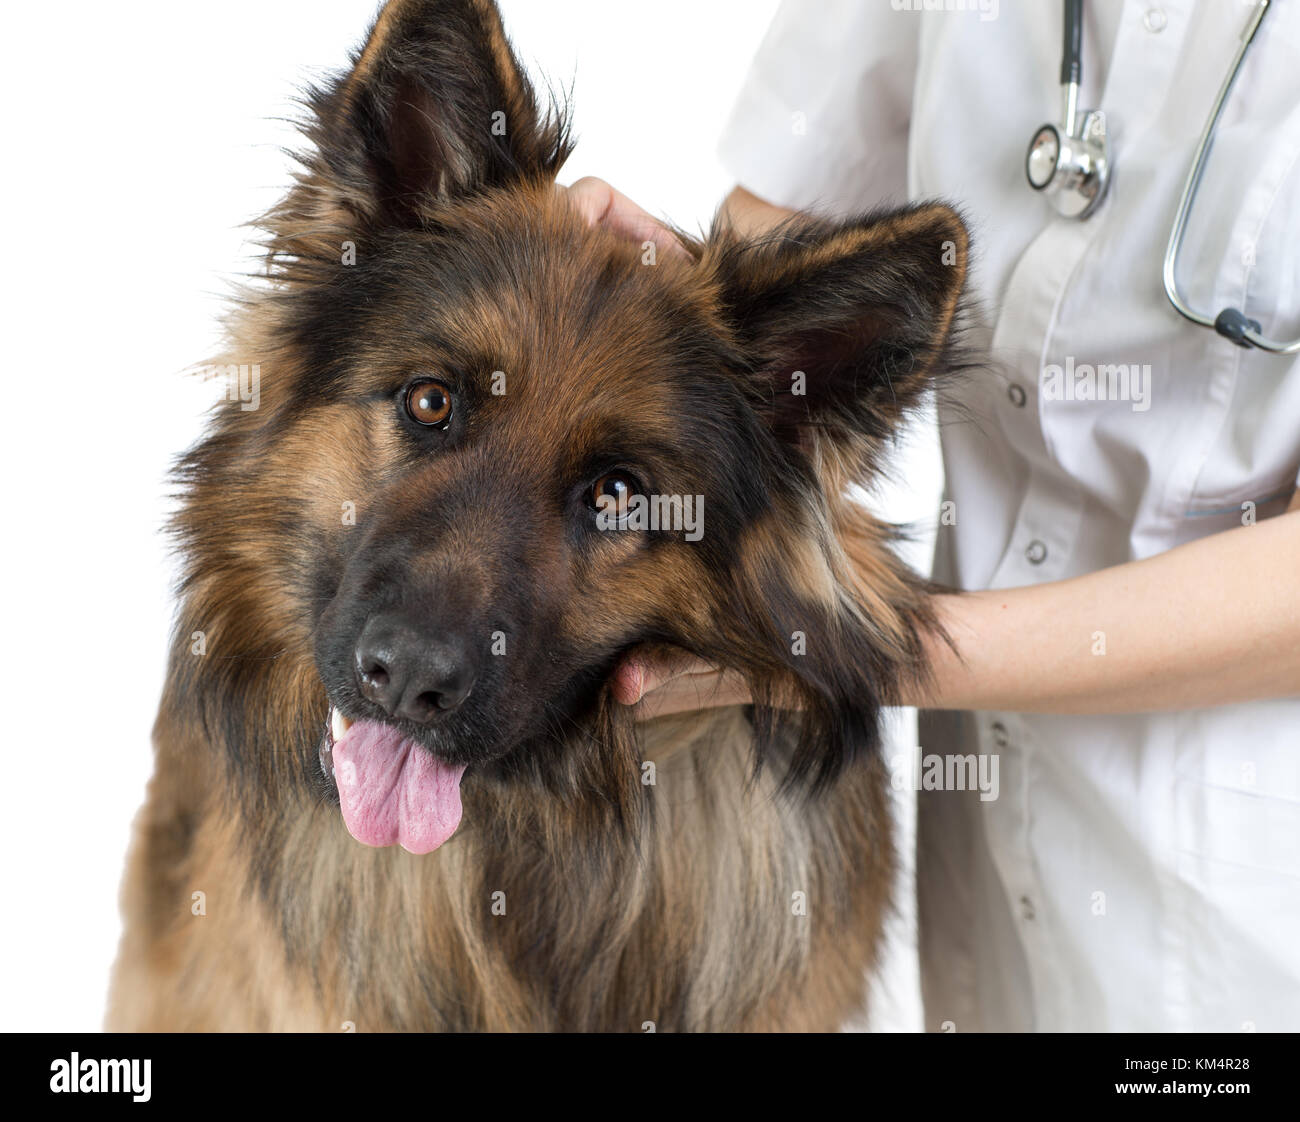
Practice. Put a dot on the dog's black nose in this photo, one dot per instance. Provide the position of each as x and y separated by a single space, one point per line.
411 675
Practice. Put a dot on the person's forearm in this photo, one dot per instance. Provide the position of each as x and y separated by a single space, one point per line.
1208 623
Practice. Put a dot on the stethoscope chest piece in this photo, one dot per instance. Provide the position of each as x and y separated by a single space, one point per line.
1069 165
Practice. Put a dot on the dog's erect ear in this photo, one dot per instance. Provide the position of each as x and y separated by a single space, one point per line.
845 323
842 326
435 106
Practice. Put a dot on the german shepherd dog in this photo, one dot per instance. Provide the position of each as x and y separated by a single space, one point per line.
411 571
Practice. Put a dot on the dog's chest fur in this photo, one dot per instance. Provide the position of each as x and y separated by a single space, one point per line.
732 908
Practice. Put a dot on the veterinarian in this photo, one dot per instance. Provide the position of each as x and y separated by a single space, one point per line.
1129 646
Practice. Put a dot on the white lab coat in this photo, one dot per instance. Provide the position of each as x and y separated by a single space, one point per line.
1135 872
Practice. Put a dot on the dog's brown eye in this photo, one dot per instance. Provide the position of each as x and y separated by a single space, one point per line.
429 403
612 492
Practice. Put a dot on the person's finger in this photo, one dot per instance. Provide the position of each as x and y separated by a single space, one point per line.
689 692
626 218
628 683
591 196
640 674
601 205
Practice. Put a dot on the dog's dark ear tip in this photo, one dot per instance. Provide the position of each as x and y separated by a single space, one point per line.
434 105
950 228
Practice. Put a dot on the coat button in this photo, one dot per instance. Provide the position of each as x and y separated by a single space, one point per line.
1026 908
1016 393
1036 552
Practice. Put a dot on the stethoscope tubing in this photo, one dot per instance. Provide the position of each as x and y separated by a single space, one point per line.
1231 322
1071 165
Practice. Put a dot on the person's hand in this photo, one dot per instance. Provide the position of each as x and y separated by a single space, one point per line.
601 205
659 684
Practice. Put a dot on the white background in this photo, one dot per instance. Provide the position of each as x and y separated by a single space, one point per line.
139 138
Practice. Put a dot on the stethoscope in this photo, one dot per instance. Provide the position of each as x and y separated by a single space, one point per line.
1070 164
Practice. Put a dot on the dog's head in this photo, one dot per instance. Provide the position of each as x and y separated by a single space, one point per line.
497 449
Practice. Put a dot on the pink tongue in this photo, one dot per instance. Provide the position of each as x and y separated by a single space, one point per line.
393 790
